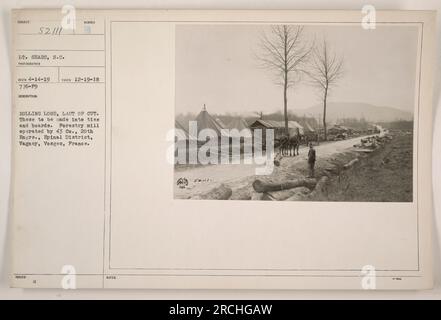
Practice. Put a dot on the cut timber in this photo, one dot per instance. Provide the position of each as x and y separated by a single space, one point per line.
332 170
321 185
288 193
320 191
221 192
256 196
267 197
299 194
350 164
243 193
262 186
364 150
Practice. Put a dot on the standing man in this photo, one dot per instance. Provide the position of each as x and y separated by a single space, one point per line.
311 160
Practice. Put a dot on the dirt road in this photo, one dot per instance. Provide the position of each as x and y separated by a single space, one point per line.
203 178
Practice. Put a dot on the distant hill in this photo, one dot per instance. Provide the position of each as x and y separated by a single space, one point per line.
372 113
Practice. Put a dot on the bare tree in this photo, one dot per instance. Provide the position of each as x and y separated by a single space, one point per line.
326 68
284 52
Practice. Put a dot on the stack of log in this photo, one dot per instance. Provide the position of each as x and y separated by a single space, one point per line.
289 190
369 144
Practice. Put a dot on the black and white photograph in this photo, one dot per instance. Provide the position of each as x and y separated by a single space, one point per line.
296 112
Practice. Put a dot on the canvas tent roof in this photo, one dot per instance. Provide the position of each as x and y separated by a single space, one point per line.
182 134
220 122
238 123
294 125
308 127
206 121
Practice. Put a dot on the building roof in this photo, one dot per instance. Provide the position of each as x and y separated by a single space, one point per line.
273 124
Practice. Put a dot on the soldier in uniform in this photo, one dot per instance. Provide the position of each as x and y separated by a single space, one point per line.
311 160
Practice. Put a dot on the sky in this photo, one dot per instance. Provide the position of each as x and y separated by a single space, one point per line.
216 65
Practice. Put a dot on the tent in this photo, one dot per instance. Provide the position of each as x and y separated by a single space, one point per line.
206 121
220 122
308 127
182 134
238 123
294 127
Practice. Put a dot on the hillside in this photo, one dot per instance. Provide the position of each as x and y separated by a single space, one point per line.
372 113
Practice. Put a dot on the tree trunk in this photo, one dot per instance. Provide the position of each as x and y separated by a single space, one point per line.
262 186
285 84
285 194
285 106
325 96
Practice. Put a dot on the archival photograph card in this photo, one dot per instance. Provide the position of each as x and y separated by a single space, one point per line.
222 149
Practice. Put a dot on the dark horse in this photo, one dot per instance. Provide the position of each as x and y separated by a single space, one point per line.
290 144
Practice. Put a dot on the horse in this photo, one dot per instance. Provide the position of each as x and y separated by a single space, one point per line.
294 143
284 145
288 145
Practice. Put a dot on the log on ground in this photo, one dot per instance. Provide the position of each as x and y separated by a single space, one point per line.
256 196
299 194
364 150
320 190
243 193
267 197
288 193
350 164
221 192
321 185
262 186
